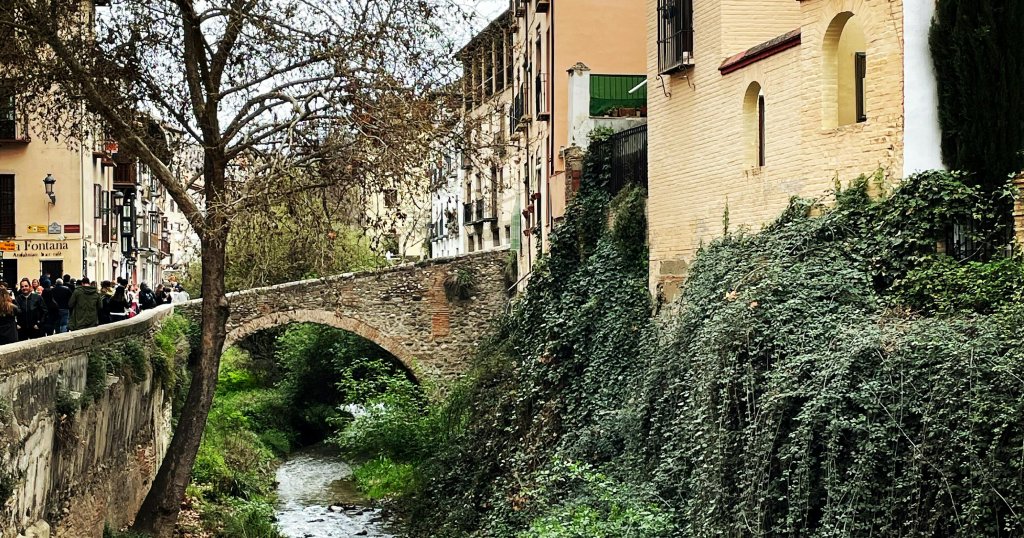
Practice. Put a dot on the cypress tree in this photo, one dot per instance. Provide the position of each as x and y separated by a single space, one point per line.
978 51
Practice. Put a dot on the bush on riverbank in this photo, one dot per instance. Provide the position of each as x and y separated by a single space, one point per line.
233 476
262 412
814 379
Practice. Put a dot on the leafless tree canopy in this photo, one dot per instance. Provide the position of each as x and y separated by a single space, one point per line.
353 90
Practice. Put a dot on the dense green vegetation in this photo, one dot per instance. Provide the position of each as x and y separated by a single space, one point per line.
982 114
265 408
831 375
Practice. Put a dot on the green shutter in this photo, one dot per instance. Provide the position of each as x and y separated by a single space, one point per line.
517 226
609 92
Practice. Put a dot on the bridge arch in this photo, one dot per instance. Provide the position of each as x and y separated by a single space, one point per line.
330 319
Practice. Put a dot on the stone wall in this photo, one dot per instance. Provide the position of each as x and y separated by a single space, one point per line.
403 309
71 477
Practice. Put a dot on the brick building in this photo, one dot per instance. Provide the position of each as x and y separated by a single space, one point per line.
753 102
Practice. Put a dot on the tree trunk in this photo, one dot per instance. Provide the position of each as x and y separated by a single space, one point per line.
159 511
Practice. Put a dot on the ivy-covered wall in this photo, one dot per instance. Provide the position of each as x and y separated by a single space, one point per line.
822 377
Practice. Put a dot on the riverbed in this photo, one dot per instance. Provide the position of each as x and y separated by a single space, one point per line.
316 499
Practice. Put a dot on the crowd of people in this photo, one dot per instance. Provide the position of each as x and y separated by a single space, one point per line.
41 307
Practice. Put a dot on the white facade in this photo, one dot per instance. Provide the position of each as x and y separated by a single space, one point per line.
922 134
446 234
581 123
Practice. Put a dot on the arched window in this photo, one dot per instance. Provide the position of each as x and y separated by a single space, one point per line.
754 125
844 69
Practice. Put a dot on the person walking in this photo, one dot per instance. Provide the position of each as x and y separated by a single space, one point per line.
147 299
52 318
179 295
117 306
61 296
32 312
8 317
162 294
106 292
85 306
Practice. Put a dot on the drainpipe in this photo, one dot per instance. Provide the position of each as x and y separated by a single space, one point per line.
81 208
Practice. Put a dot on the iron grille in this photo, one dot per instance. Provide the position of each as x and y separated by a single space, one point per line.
627 154
7 227
675 34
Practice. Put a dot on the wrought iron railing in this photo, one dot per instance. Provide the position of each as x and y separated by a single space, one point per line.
627 155
541 96
972 241
675 34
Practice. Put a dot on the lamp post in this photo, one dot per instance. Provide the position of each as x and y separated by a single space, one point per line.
48 182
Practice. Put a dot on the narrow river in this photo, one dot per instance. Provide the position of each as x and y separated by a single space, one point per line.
316 499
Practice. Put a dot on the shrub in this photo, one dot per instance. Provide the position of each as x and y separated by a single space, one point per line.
132 361
383 478
943 285
579 502
459 285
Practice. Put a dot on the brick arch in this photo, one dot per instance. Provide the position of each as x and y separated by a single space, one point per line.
331 319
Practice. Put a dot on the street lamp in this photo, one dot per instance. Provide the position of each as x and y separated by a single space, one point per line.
48 182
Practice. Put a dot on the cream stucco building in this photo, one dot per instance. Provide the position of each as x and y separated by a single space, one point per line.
537 80
70 232
752 102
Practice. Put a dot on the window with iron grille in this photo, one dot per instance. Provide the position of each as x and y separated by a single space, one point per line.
7 228
675 34
8 114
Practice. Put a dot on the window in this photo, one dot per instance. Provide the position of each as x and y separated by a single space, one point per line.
844 64
107 217
860 71
760 130
390 198
675 34
96 206
8 116
754 125
7 228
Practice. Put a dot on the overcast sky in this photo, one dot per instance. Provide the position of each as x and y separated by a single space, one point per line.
484 12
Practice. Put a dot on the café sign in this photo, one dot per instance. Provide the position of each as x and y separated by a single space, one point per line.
34 249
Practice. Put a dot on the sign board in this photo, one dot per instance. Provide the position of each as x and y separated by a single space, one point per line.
36 228
53 229
72 228
8 246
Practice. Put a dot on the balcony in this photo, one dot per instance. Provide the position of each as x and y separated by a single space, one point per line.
675 35
519 7
479 211
542 107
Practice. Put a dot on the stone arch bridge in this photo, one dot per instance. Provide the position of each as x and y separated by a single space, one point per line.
403 309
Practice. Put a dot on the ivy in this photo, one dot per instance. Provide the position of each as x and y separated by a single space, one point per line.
831 375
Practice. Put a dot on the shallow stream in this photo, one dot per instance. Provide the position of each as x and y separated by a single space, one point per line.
316 499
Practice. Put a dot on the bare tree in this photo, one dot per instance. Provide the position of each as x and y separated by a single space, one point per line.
341 90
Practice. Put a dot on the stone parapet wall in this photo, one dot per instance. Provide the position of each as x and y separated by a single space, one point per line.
97 468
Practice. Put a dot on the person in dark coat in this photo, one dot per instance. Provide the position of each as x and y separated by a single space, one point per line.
85 306
52 318
147 299
8 317
32 312
117 305
62 296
